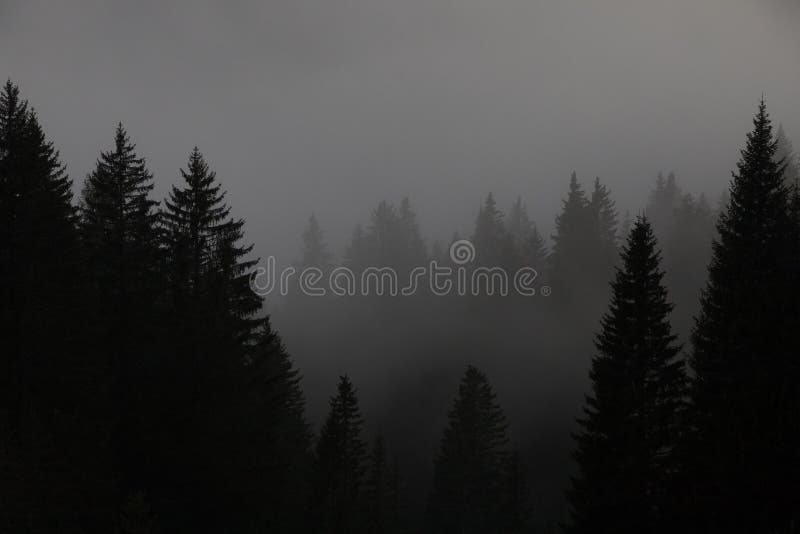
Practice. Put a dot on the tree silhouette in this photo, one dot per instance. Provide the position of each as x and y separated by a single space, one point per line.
315 251
743 451
471 481
50 384
630 427
339 464
528 242
494 246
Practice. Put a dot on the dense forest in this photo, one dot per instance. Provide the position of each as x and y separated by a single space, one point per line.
144 389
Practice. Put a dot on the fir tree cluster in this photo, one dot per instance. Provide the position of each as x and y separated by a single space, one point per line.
144 390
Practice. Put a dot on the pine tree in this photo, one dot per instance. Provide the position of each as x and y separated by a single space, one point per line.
119 226
120 239
528 243
315 251
687 251
415 252
384 235
49 384
627 224
493 244
470 471
217 352
745 468
605 219
357 253
664 199
571 229
630 427
586 235
339 464
209 264
276 450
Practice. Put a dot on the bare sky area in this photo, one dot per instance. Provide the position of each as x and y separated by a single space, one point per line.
331 105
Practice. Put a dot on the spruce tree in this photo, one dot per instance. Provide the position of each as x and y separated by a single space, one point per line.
51 433
357 253
493 244
415 252
743 451
339 465
470 482
664 199
602 247
217 373
275 458
604 215
572 242
627 437
315 251
529 245
119 234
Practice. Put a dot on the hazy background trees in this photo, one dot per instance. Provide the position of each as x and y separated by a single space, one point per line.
146 386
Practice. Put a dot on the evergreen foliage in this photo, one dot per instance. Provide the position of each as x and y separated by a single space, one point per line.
339 465
630 428
472 487
744 445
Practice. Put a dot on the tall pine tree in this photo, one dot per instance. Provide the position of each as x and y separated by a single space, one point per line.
52 442
625 447
339 465
119 231
743 451
472 485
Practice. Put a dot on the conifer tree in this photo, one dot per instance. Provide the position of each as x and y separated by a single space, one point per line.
605 219
209 264
339 464
218 373
687 251
315 251
571 223
493 244
743 451
119 234
625 447
518 223
276 454
529 245
357 253
119 225
384 235
664 199
470 484
414 246
571 243
49 384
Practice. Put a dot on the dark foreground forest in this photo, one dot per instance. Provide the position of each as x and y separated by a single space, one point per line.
144 389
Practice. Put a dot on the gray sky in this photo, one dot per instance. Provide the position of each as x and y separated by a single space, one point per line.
331 105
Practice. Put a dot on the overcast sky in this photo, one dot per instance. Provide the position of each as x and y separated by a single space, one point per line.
331 105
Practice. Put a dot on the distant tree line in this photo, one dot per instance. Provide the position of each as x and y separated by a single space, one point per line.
143 390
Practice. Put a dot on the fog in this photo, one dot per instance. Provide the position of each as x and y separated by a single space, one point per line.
330 106
311 106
